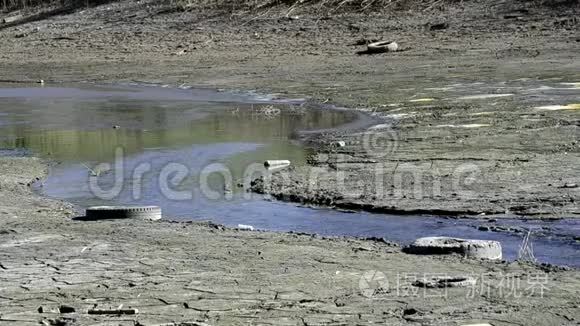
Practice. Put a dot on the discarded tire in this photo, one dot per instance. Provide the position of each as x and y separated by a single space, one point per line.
152 213
378 47
479 249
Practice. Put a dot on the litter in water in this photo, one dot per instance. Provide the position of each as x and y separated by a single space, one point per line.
276 163
245 227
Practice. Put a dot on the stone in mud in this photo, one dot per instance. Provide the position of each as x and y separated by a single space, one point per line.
439 26
64 309
410 311
479 249
483 228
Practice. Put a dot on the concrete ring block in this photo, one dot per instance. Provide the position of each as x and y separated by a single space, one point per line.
479 249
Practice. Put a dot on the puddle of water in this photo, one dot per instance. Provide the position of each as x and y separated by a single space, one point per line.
55 123
208 130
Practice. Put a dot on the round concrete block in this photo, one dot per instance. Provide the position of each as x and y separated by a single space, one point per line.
482 249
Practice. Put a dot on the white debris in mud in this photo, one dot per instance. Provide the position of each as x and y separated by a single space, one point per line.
396 116
392 47
381 126
245 227
574 84
419 100
471 125
547 88
483 113
441 89
573 106
483 96
390 105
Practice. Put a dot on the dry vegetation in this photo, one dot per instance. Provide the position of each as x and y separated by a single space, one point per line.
10 5
241 5
326 6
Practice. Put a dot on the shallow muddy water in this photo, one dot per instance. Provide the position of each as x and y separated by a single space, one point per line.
199 132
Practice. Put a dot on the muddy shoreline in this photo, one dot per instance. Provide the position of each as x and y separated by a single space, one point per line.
509 158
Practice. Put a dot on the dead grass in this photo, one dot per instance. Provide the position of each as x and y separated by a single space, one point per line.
526 251
11 5
328 6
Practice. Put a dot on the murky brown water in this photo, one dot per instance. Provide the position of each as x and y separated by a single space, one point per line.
86 125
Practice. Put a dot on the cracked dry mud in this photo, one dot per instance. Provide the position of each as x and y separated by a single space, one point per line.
204 273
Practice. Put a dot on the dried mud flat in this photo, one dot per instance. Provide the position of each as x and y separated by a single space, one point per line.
202 273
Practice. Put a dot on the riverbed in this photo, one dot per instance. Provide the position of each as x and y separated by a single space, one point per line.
79 127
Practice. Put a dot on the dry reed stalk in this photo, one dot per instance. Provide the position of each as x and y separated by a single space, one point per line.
526 251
